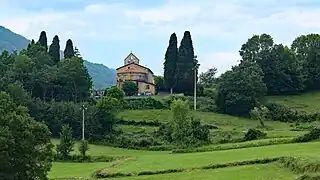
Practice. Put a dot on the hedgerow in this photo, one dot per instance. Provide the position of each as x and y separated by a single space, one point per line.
236 146
102 174
86 159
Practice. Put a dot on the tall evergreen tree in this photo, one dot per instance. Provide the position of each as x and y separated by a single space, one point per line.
32 42
170 63
186 63
69 51
43 40
54 49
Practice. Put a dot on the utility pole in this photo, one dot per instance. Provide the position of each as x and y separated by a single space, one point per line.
195 68
83 109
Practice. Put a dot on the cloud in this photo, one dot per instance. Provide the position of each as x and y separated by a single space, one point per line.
218 28
223 61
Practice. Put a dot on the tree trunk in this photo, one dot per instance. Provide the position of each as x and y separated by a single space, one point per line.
171 90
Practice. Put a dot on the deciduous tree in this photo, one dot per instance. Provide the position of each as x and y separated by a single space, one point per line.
240 89
25 147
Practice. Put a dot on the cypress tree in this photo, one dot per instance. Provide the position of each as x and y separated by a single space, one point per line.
170 63
69 51
54 49
43 40
185 65
32 42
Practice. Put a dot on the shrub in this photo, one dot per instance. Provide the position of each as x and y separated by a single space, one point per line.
253 134
66 142
313 134
115 92
130 88
235 146
300 164
144 103
282 113
86 159
183 130
83 148
204 104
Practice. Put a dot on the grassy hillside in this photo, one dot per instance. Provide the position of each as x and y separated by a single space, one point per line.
309 102
138 161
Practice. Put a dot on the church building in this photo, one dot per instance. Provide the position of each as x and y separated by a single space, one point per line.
133 71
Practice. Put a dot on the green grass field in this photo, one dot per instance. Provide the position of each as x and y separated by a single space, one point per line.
152 161
257 172
135 161
308 102
221 120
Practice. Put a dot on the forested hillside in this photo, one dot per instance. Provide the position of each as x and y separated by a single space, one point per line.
102 76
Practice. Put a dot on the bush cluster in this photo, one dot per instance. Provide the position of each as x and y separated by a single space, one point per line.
235 146
102 174
300 164
282 113
309 177
253 134
86 159
203 103
313 134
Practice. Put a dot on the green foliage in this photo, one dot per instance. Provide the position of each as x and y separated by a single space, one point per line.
86 159
260 113
74 80
144 103
241 145
313 134
66 142
83 148
115 92
186 63
208 78
306 49
282 113
107 109
300 164
160 86
253 134
282 71
183 130
130 88
170 63
21 137
54 49
240 89
69 50
43 40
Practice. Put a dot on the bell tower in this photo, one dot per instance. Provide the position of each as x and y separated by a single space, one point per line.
131 58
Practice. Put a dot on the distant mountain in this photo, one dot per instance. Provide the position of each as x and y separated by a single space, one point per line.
11 41
102 76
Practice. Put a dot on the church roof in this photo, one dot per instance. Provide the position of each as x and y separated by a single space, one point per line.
135 64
